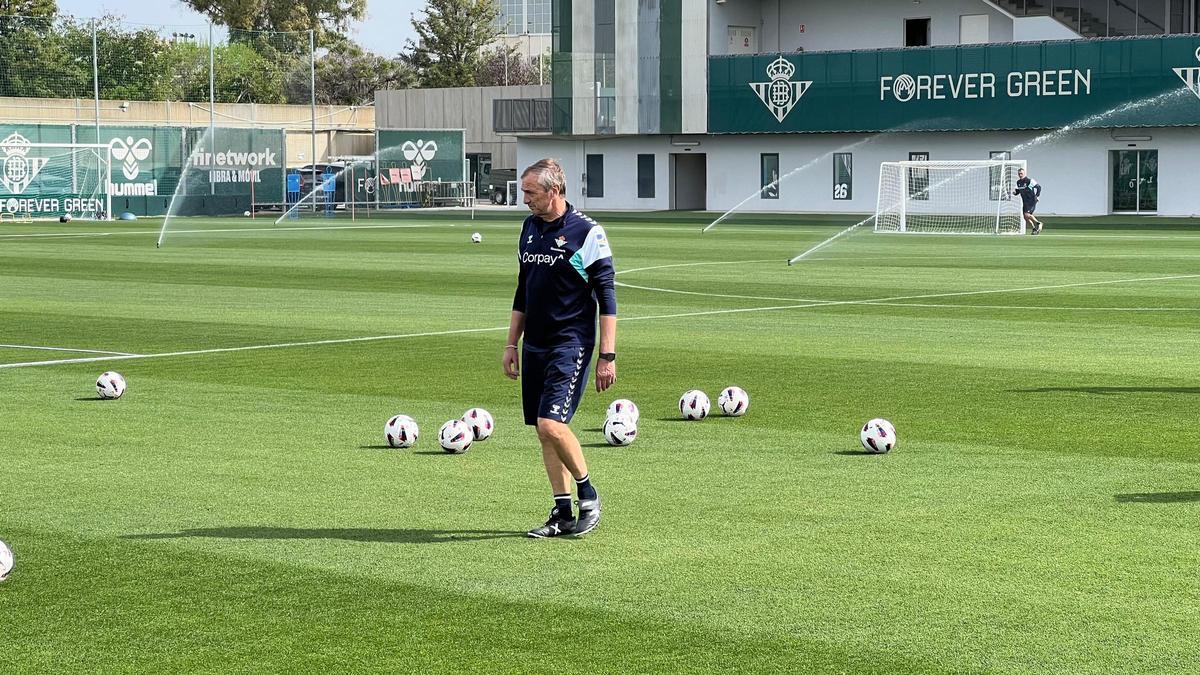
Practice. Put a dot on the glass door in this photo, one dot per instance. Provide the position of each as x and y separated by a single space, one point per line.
1135 181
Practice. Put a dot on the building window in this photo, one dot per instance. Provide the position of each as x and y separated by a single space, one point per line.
512 17
843 175
595 175
770 176
645 176
537 16
916 32
918 178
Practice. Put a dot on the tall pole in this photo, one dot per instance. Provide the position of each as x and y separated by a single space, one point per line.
312 72
96 81
212 105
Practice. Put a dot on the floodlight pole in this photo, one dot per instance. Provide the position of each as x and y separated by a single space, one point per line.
96 82
312 72
212 102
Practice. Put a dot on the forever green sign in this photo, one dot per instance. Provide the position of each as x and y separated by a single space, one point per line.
1085 83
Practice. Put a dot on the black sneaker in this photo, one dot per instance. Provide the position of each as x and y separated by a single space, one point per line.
558 525
1037 228
589 516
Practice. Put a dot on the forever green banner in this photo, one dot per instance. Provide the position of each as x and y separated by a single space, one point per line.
1122 82
420 155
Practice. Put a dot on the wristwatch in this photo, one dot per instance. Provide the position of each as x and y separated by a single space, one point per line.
608 356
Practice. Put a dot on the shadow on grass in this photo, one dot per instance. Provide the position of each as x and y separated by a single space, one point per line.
1107 391
391 536
1159 497
858 453
596 429
91 398
597 445
378 447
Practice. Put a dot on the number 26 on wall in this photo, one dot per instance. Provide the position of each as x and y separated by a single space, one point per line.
840 190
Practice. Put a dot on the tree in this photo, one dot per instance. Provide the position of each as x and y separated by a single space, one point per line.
351 76
493 71
38 8
449 39
326 18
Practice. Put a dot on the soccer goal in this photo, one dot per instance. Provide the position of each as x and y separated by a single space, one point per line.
949 197
50 180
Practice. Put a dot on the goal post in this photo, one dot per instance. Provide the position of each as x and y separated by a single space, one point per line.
949 197
49 180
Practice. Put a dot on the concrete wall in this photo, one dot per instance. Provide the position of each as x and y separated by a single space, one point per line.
460 108
183 113
1074 169
847 24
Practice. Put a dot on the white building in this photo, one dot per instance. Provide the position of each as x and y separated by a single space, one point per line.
697 104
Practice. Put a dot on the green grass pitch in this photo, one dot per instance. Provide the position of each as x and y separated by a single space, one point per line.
237 511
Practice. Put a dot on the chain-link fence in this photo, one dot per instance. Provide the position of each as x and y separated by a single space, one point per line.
233 110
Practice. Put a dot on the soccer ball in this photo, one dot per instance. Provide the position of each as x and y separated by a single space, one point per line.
624 406
476 238
64 218
733 401
401 431
247 214
878 436
693 405
110 385
455 437
620 429
6 560
480 422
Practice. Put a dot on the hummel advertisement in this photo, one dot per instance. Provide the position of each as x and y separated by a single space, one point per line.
1120 82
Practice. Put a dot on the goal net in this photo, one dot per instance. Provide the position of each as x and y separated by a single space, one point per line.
949 197
49 180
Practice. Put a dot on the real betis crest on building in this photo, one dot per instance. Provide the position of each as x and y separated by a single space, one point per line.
1191 76
781 94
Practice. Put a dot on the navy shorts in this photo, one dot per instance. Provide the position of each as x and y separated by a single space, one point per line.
1030 206
552 381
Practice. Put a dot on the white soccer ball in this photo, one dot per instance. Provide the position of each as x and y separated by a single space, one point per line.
247 214
455 437
624 406
6 560
878 436
401 431
480 422
476 238
693 405
733 401
110 385
620 429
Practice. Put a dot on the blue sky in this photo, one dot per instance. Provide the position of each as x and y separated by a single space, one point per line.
387 26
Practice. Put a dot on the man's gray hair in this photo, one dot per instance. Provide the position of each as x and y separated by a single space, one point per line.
549 175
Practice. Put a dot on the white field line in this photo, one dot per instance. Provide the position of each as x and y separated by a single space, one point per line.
931 305
826 303
694 264
394 226
222 350
68 349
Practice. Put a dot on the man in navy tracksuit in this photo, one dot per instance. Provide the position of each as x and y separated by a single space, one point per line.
566 271
1030 191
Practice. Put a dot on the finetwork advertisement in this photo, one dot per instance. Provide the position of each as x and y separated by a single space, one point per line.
236 163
